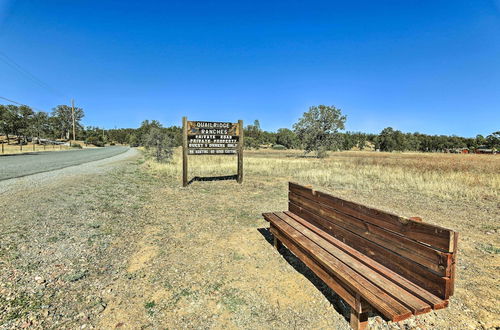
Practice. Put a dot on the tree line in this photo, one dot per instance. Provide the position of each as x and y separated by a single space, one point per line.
318 130
25 124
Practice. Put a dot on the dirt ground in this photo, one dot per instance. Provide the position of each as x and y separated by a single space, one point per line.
131 249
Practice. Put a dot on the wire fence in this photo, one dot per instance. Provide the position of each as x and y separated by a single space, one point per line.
7 149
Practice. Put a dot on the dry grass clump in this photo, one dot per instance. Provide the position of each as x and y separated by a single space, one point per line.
448 176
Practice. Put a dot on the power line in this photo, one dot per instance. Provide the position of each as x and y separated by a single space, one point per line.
18 103
14 65
1 97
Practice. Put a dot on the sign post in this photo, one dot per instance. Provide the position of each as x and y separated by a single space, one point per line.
240 151
184 152
211 138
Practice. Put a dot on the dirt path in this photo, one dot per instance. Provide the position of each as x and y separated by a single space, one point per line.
126 307
204 263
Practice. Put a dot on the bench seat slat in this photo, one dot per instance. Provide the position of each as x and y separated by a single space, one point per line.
378 298
432 300
416 305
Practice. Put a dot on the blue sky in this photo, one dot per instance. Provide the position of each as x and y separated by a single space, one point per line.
427 66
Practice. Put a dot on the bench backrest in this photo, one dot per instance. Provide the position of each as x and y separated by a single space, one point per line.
421 252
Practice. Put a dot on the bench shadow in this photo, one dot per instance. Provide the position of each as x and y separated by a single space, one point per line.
213 178
340 306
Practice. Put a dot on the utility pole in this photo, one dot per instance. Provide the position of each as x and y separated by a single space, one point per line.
73 115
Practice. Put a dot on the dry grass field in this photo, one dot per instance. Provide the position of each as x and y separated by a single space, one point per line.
130 248
448 176
460 192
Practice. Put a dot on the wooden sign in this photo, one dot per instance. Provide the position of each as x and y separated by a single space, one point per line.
212 138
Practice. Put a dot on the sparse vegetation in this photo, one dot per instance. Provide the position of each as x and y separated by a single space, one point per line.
489 248
131 247
149 306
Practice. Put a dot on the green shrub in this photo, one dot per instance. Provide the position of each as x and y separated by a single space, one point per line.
279 147
133 141
251 143
76 145
95 141
159 145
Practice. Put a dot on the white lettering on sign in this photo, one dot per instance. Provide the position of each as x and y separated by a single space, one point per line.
212 151
212 138
234 141
212 125
213 131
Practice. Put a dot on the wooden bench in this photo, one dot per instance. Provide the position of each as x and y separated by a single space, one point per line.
373 260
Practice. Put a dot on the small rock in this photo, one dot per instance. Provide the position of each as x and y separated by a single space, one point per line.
101 308
411 323
39 279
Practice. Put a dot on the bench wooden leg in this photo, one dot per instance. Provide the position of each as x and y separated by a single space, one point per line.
277 243
359 318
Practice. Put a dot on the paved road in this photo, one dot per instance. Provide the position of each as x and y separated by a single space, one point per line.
18 165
